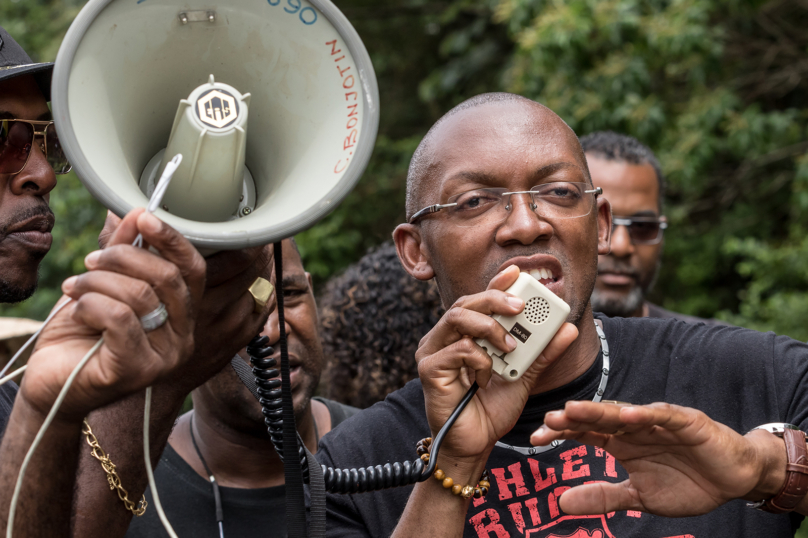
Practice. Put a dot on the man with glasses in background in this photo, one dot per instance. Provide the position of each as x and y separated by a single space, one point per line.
30 159
632 181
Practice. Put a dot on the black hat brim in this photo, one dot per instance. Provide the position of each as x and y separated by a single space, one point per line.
42 73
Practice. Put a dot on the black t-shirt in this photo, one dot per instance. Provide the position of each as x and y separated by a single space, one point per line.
7 394
739 377
187 499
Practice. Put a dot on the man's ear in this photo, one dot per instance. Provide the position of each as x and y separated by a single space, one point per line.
408 246
311 284
604 226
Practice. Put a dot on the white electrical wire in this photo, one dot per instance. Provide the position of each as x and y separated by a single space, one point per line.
30 340
13 374
157 196
149 471
41 433
154 203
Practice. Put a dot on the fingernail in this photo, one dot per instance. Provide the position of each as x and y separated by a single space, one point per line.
510 341
552 414
91 260
69 284
516 302
541 431
150 223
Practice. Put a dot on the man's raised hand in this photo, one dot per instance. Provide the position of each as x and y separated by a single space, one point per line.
680 462
225 317
124 283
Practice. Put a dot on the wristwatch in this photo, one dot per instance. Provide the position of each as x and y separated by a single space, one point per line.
796 485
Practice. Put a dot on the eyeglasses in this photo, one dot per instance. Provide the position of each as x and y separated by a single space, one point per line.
642 230
488 207
17 137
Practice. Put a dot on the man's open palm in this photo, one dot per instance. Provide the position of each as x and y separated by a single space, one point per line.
680 462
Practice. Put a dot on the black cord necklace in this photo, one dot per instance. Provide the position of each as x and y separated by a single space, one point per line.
217 498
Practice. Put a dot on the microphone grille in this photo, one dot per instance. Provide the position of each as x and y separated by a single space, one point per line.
537 310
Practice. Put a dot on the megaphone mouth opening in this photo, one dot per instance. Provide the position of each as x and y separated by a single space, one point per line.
123 67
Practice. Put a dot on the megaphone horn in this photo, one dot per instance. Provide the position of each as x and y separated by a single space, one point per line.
274 108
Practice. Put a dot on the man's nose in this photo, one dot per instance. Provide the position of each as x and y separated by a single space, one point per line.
37 178
272 328
523 224
622 246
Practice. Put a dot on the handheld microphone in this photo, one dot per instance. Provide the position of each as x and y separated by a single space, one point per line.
533 328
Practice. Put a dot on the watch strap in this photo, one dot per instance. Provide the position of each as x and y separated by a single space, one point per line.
796 485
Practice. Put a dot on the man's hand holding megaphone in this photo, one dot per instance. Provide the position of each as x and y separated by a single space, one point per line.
225 321
226 317
124 283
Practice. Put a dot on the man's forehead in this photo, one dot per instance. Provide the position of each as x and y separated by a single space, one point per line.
631 188
21 97
500 139
292 261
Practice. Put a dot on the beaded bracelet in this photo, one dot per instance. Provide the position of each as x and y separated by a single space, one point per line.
467 491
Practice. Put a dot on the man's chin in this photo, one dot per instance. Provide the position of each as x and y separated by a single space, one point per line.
618 305
11 292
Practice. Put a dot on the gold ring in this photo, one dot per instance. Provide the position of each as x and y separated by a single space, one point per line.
261 290
618 432
615 402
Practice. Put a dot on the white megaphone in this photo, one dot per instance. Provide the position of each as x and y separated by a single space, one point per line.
273 105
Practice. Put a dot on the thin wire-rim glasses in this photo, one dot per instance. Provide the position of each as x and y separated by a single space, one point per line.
556 200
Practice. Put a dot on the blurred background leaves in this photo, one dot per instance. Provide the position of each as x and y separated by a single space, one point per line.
717 88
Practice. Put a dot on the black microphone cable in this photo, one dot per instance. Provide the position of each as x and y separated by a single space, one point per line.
276 403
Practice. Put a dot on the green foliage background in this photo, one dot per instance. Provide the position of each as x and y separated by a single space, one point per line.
716 87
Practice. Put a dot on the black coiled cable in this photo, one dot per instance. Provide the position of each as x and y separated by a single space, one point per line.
372 478
270 391
268 379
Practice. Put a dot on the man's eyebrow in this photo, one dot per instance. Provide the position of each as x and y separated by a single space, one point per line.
645 213
488 179
476 177
4 115
295 280
551 169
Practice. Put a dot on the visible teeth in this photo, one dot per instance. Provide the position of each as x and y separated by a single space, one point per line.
541 274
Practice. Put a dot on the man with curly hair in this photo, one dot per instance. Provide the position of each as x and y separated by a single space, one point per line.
373 316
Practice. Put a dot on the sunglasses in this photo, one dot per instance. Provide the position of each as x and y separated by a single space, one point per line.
642 230
17 137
